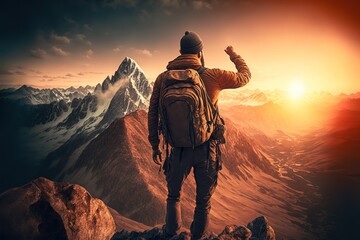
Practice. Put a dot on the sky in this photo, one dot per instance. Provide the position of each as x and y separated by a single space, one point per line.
66 43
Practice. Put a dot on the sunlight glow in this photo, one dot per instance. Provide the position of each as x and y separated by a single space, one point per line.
296 89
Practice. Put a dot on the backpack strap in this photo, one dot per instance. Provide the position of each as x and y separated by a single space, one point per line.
201 69
215 110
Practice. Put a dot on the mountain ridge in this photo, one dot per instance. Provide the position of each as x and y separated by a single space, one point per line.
49 128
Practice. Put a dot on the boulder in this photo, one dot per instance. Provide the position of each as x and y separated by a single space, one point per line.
43 209
261 229
234 232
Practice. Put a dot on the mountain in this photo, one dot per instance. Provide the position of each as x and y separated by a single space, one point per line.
35 126
134 96
250 97
116 166
34 96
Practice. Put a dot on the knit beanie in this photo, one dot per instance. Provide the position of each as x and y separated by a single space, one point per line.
190 43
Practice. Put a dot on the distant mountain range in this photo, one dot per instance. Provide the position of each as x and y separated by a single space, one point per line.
29 95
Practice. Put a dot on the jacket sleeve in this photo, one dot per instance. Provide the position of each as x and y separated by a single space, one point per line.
229 79
153 115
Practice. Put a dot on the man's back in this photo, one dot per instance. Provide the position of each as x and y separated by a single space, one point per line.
203 158
215 79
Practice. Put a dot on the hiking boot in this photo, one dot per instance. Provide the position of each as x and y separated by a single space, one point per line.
164 234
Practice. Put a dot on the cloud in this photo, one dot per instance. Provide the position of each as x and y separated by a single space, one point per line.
70 75
82 38
201 4
70 20
5 72
87 73
59 39
59 52
143 14
89 53
116 50
174 4
145 52
50 78
35 71
120 3
38 53
20 71
88 27
47 78
12 72
171 3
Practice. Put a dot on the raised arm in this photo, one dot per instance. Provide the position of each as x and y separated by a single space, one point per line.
229 79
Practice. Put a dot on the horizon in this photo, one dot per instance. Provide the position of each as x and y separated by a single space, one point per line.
245 88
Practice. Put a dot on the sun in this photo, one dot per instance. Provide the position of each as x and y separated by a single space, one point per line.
296 89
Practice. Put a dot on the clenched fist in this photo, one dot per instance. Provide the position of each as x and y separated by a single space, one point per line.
230 51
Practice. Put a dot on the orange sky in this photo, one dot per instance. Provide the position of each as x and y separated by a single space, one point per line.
280 44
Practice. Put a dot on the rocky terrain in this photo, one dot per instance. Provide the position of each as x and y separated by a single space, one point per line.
43 209
257 229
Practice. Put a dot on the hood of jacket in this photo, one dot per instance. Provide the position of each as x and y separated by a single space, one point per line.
185 61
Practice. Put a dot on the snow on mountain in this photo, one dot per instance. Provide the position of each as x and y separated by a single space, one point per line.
134 93
62 126
34 96
249 97
126 91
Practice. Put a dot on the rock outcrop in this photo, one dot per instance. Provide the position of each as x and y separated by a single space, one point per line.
258 229
43 209
261 229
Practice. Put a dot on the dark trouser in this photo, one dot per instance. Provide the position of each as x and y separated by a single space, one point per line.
177 168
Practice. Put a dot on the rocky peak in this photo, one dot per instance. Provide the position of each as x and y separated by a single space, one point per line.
26 87
105 84
97 88
71 89
133 94
127 69
43 209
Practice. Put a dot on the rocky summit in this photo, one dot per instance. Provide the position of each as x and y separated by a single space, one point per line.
43 209
258 229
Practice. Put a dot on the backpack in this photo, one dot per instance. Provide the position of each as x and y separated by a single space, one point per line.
187 115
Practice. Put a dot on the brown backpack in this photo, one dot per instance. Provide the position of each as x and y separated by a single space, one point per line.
186 112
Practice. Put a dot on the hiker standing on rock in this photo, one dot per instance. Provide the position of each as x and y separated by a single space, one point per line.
183 107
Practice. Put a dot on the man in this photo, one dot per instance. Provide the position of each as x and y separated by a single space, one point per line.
202 158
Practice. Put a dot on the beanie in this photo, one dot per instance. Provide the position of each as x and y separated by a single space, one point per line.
190 43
